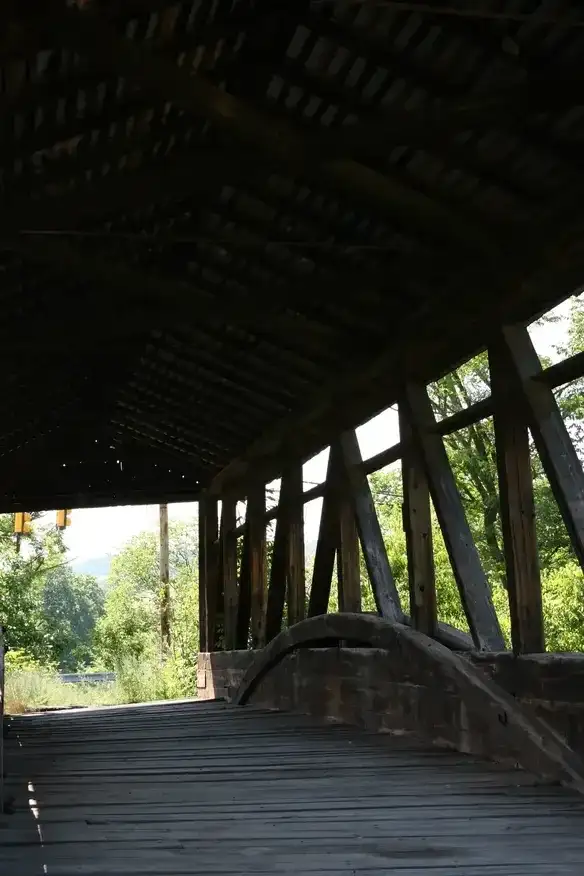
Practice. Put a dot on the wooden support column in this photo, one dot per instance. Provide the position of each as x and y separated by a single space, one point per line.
208 573
550 434
256 532
277 587
380 575
417 522
287 572
327 543
229 571
349 572
466 564
517 507
296 571
244 594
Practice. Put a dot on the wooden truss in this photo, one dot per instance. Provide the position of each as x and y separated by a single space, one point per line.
522 400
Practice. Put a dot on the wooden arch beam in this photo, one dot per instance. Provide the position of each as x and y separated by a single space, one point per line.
522 735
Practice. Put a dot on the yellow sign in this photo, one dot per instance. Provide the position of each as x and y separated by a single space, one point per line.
64 518
22 523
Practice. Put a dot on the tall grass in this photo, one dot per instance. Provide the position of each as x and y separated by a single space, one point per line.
29 690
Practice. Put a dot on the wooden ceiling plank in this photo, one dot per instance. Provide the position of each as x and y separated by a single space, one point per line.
90 34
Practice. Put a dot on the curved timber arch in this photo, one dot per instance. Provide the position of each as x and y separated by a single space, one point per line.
486 709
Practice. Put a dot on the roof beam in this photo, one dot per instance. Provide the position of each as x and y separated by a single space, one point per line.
89 33
164 303
355 396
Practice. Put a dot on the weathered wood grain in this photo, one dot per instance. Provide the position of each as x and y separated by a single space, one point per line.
517 506
417 524
470 577
228 547
550 434
193 788
208 569
380 574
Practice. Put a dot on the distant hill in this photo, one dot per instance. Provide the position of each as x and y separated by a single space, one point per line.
98 566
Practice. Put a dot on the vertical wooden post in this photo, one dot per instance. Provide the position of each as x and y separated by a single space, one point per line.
287 572
256 531
472 584
382 582
349 573
244 593
229 570
164 580
417 522
552 439
517 507
277 586
326 545
208 573
296 572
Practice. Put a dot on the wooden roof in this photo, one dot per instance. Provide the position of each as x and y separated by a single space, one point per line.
231 228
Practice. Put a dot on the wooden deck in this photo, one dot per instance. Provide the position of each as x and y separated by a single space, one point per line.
210 788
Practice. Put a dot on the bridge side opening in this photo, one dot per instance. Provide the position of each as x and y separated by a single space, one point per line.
518 420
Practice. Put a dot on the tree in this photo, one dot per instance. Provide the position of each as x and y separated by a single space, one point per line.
129 627
72 606
22 581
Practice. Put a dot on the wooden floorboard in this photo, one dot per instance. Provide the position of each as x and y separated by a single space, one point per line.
207 788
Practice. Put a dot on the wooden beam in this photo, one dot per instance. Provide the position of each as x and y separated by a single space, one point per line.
517 508
383 458
550 434
256 530
228 541
348 567
327 542
466 564
295 572
155 292
467 417
278 570
244 594
287 575
569 369
356 395
88 32
417 521
208 569
380 575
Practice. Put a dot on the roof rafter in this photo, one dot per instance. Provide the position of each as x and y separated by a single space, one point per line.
88 32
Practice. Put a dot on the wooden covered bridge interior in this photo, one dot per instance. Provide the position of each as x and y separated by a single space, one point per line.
233 231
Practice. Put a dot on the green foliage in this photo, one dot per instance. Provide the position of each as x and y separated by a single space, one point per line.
72 606
471 452
128 634
30 687
22 584
20 661
140 681
563 603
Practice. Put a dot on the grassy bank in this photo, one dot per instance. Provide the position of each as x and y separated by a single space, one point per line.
28 690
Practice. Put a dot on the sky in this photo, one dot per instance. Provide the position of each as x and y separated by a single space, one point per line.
100 532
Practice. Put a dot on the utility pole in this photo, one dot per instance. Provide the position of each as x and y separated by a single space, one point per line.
164 581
